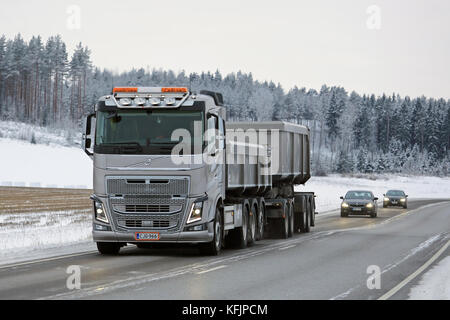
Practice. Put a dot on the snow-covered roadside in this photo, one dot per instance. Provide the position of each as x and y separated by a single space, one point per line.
29 233
328 189
24 164
435 283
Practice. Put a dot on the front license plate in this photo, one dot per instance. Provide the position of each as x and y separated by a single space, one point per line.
356 209
146 236
394 202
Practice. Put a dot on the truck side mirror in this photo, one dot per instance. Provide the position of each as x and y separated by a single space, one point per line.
88 138
406 196
342 198
376 198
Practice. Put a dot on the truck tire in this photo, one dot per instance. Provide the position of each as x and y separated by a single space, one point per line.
238 236
252 225
261 221
291 219
108 248
214 247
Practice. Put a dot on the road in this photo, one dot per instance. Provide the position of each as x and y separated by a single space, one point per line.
331 262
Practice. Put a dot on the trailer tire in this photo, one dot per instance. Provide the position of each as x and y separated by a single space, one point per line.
252 223
261 221
306 226
214 247
313 213
108 248
238 236
291 219
283 223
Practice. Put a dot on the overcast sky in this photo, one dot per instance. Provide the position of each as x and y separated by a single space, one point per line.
367 46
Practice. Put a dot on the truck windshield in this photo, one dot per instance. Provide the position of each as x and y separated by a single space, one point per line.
145 132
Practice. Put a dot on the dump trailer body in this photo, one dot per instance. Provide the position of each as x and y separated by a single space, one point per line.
287 146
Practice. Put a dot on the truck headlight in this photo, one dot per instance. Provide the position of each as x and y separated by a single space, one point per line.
386 199
196 212
402 200
369 205
100 213
344 205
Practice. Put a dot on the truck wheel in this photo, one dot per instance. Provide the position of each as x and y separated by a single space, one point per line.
108 248
214 247
291 220
238 236
252 219
261 222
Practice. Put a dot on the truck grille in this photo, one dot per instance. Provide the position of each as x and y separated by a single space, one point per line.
155 186
149 222
150 203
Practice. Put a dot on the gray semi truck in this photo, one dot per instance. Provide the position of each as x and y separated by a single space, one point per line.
169 168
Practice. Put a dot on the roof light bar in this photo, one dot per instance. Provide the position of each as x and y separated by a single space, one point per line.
174 90
126 90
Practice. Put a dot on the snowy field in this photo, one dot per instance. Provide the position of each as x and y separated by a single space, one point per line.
24 164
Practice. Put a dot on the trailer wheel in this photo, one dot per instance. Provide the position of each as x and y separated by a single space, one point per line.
313 213
238 236
252 219
291 220
108 248
306 227
261 222
214 247
284 223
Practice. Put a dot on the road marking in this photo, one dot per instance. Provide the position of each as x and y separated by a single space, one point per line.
45 260
397 288
288 247
212 269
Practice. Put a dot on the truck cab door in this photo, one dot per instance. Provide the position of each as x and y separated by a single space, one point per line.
216 154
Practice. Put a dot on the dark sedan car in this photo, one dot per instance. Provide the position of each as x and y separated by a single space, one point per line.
359 203
395 198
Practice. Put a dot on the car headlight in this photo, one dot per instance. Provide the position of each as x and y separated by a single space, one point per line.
344 205
402 200
386 199
196 212
369 205
100 213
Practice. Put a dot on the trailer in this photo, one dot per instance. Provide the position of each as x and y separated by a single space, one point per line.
170 168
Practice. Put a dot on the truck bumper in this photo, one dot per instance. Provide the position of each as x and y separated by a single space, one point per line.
180 237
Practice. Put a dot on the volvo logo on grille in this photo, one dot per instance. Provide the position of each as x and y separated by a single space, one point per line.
148 162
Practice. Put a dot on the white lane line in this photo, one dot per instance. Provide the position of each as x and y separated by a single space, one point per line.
397 288
212 269
288 247
46 260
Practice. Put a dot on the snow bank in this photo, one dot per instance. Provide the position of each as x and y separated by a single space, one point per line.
30 232
435 284
34 165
